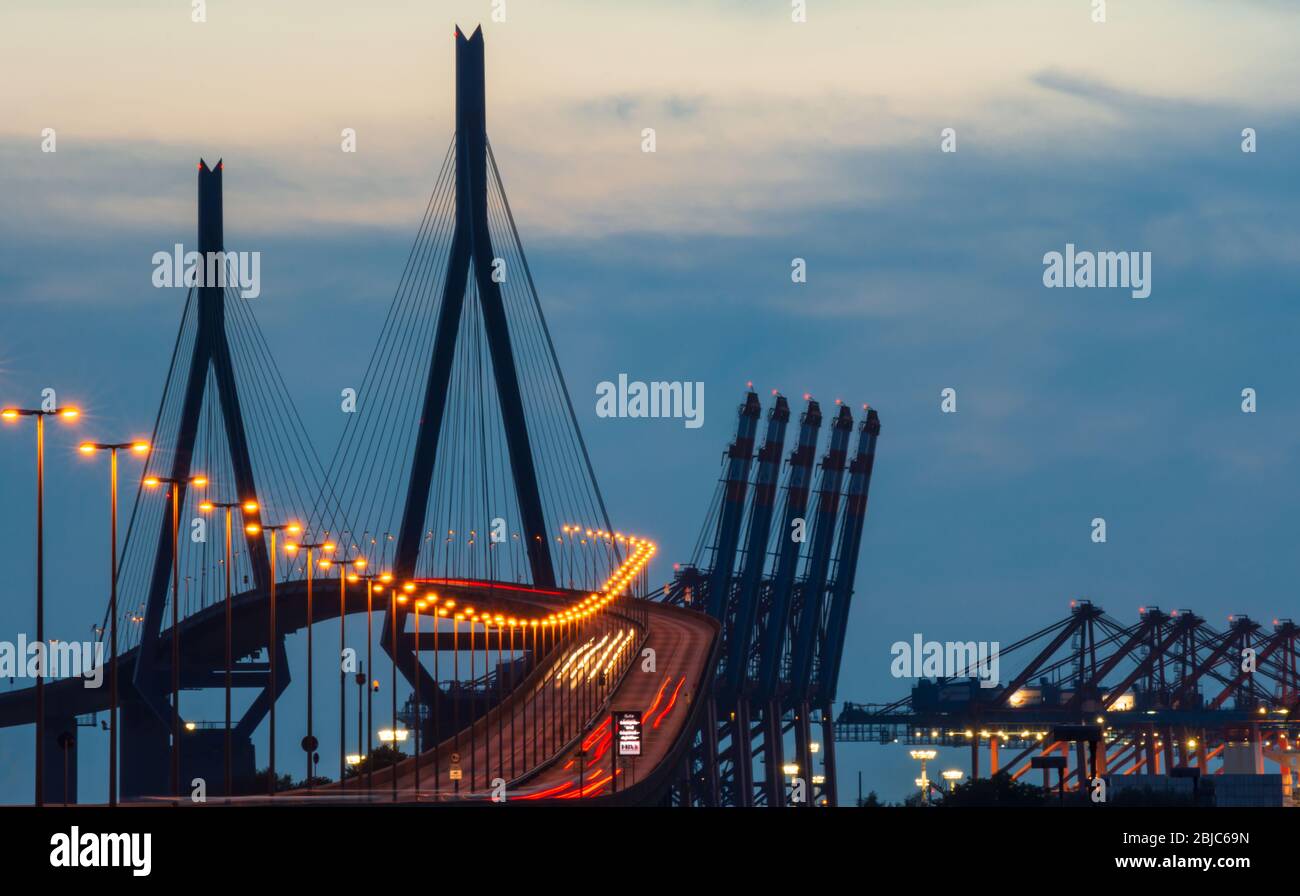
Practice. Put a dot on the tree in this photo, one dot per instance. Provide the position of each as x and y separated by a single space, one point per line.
256 785
382 757
998 790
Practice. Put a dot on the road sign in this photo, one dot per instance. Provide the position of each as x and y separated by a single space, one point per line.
455 767
627 726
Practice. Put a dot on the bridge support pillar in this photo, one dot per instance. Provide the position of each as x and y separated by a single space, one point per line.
145 751
773 755
711 754
993 756
204 756
802 752
975 757
1256 749
60 750
831 788
742 755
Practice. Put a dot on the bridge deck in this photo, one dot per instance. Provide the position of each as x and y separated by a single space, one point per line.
683 644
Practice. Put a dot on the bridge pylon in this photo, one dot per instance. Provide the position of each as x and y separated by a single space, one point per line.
147 708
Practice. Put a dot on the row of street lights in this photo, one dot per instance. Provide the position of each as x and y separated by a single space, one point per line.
563 624
176 484
39 414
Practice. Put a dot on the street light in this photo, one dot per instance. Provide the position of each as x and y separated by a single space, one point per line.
419 605
952 776
371 588
457 618
176 484
443 612
112 448
295 530
10 415
357 563
309 742
393 600
923 782
245 507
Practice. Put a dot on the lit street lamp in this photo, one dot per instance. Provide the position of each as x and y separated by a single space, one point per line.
952 776
357 563
393 600
457 618
253 529
923 782
248 506
309 742
11 414
419 605
176 484
371 589
112 449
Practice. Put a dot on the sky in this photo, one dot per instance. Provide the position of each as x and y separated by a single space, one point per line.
775 140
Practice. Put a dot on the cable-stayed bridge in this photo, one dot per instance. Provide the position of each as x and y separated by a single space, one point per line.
459 523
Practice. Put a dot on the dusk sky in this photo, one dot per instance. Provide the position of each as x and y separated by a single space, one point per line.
775 140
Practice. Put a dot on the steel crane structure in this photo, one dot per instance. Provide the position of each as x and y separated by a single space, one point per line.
1168 694
782 594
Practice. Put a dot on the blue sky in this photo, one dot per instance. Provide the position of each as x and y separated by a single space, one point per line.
775 140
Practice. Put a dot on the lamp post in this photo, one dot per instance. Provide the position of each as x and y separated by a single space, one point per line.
309 742
512 623
419 605
174 487
371 589
443 613
11 414
395 600
791 771
501 695
952 776
535 662
253 529
112 448
247 506
923 782
473 703
455 703
357 563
